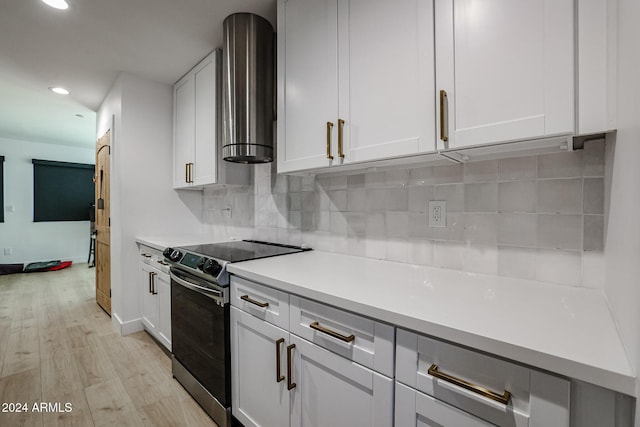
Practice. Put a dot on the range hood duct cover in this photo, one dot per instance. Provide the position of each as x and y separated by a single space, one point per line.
248 86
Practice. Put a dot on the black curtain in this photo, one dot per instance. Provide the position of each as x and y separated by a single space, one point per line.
62 191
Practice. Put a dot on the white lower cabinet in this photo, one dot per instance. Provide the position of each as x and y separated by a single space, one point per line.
333 391
149 299
455 386
280 379
257 397
163 288
416 409
298 362
155 287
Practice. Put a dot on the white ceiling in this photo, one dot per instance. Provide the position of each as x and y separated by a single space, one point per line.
83 49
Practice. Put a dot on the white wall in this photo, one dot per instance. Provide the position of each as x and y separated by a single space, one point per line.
143 202
38 241
622 246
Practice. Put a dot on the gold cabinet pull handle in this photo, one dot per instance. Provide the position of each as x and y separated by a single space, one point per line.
279 376
444 117
186 172
153 283
340 128
191 172
345 338
146 255
247 298
150 291
502 398
290 385
329 129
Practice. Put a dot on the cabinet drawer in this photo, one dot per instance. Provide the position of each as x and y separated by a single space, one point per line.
262 301
154 258
531 392
418 409
357 338
149 254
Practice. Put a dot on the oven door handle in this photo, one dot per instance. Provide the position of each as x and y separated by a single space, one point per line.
211 293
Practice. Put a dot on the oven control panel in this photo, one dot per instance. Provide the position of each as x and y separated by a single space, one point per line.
199 265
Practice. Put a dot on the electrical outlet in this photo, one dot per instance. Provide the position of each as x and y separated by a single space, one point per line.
8 251
226 212
437 213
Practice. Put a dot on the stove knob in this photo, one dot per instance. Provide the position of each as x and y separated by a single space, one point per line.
201 263
167 252
175 255
211 267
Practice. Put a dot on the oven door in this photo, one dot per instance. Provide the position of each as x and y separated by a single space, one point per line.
200 332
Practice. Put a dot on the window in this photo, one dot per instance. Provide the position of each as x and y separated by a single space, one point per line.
62 191
1 188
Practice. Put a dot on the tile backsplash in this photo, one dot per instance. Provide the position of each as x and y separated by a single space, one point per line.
536 217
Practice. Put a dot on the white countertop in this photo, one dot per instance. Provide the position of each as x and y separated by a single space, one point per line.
561 329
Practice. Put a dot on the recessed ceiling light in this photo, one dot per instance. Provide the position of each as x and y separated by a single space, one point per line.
59 90
58 4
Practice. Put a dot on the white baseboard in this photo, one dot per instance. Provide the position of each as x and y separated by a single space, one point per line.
129 327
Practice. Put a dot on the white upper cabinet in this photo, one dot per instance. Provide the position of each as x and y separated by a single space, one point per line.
183 131
205 126
597 70
504 70
307 83
386 75
195 125
355 80
197 155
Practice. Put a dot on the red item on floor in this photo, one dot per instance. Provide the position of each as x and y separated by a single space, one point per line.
63 264
46 266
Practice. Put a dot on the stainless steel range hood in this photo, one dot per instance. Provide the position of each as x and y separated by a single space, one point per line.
248 85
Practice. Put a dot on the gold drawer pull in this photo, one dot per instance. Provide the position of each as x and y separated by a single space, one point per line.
254 302
444 117
317 327
329 128
340 127
502 398
279 376
290 385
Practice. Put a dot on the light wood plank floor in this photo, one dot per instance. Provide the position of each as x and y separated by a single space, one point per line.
57 346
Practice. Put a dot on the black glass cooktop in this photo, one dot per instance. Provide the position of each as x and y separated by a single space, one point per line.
243 250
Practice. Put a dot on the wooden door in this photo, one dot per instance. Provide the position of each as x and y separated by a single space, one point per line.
103 231
507 69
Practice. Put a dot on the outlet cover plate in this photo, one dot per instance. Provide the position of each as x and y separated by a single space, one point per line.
437 213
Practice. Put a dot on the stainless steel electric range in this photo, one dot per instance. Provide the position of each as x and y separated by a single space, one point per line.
200 317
